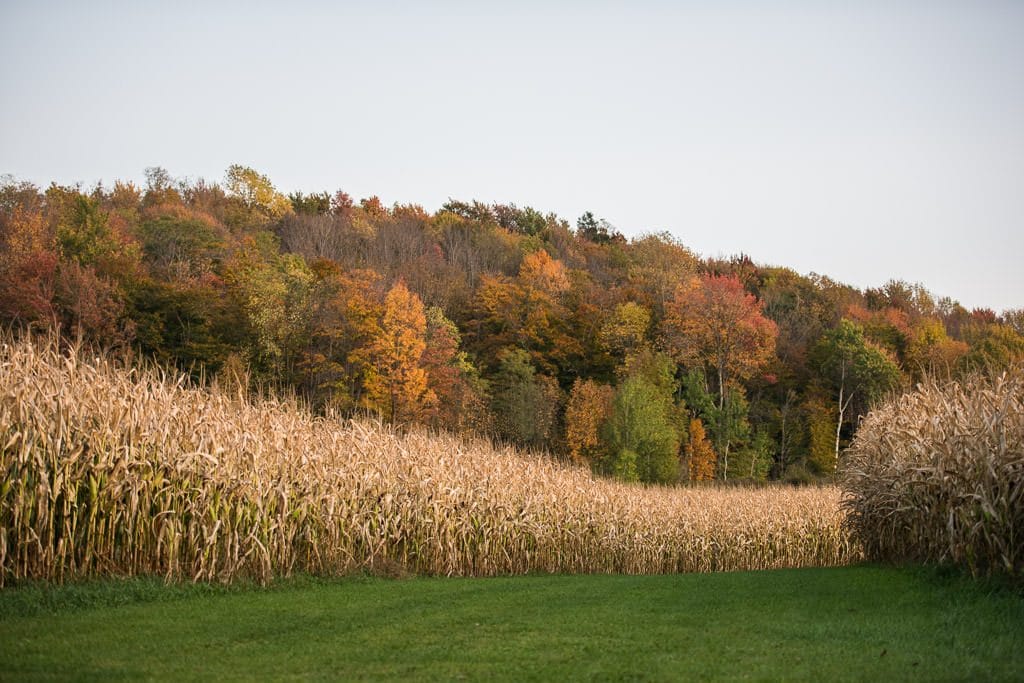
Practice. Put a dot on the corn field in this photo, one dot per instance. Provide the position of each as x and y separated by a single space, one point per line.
112 470
938 476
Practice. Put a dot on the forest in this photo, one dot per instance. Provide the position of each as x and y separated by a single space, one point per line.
635 357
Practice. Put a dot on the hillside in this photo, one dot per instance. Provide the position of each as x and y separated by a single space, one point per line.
634 357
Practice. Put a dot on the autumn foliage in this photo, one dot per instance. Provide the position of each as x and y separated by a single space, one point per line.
395 380
700 455
713 320
494 319
589 407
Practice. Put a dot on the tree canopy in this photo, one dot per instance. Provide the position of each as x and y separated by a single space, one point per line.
635 357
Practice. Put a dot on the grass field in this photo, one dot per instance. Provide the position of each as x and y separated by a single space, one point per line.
849 623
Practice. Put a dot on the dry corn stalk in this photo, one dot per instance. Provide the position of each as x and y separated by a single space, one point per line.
107 469
938 476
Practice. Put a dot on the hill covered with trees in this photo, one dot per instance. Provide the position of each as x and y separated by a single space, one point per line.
634 356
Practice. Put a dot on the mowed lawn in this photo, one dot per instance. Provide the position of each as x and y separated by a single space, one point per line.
854 623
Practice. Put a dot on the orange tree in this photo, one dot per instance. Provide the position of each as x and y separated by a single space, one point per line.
713 323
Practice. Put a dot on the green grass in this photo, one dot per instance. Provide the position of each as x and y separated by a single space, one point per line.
854 623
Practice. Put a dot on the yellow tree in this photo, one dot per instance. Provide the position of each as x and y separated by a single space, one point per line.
589 406
701 456
256 192
395 382
346 317
540 271
931 352
275 292
625 330
658 264
528 312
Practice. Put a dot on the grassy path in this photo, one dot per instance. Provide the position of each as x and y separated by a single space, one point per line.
854 623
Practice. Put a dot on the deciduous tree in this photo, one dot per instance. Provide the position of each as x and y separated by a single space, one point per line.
700 455
28 266
461 396
931 352
586 412
658 264
525 403
274 290
856 368
643 433
527 312
346 317
992 347
625 330
820 415
256 192
396 382
713 323
643 440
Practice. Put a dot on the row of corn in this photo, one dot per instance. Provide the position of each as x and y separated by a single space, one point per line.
108 469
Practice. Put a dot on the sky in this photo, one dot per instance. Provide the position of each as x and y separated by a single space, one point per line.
865 141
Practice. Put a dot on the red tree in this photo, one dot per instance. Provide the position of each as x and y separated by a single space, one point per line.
712 321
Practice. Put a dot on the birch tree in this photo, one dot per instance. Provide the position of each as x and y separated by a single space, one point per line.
857 369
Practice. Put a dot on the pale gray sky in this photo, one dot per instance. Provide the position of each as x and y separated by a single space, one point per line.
864 140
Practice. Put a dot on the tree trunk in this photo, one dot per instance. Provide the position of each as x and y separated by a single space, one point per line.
843 405
839 426
784 437
724 442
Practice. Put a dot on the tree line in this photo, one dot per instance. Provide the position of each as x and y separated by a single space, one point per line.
634 357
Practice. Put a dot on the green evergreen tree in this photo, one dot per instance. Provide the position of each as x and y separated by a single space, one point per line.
525 404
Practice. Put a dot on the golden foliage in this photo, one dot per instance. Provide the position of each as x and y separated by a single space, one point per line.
539 271
25 233
589 406
701 456
395 381
931 353
625 330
